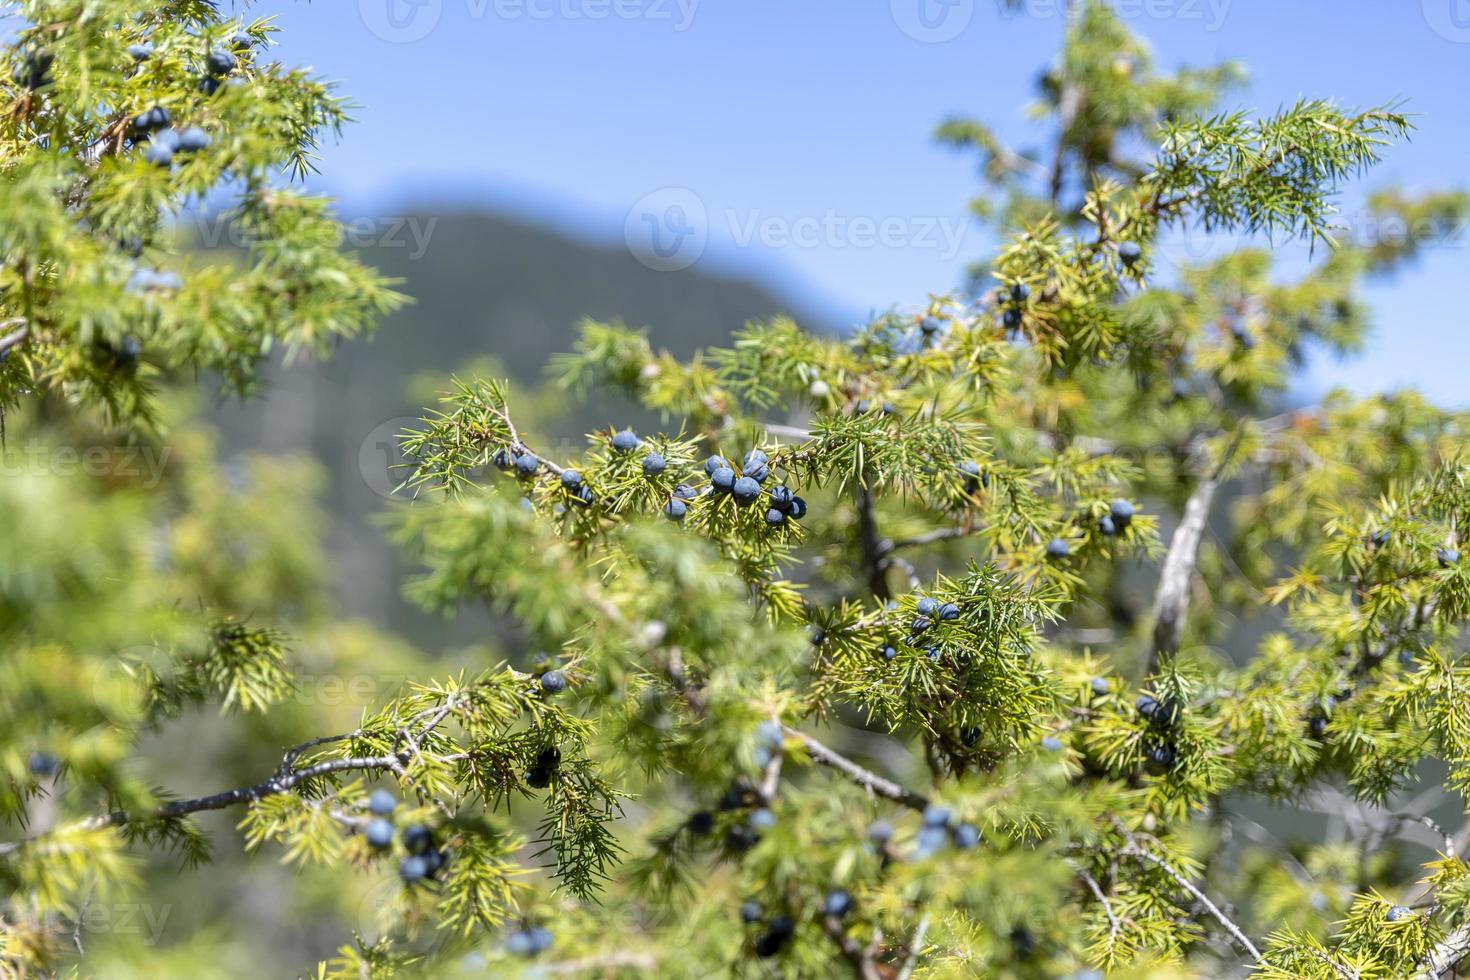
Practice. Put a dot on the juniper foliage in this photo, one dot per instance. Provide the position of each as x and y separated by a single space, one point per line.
923 677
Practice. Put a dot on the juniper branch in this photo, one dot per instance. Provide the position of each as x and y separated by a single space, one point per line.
1137 850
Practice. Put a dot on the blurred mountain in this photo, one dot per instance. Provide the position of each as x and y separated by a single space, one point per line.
492 293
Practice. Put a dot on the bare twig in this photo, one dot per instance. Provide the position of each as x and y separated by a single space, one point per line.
1443 957
1171 602
861 960
1113 924
870 781
916 947
928 537
277 783
15 337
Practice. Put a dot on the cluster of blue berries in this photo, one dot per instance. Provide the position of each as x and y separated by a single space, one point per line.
573 484
937 830
741 835
122 357
653 463
1011 316
544 768
550 680
678 505
1119 516
222 61
42 764
777 934
33 70
517 459
164 141
1162 715
745 487
927 611
769 740
424 860
975 479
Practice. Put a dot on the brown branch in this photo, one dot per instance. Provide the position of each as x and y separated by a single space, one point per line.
249 794
867 779
863 965
285 778
871 546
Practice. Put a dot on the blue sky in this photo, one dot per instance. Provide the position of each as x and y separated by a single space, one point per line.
793 137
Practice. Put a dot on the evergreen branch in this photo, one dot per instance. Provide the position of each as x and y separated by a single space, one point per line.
1137 850
249 794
